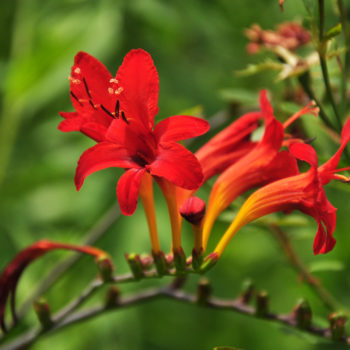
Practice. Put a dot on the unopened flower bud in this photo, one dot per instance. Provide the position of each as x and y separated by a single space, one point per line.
193 210
112 297
106 268
262 304
337 325
43 312
204 291
135 264
247 291
303 314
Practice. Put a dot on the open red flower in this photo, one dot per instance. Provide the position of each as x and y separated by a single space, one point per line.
133 142
10 276
302 192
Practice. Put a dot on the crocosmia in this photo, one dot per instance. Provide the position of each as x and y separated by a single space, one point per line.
302 192
121 111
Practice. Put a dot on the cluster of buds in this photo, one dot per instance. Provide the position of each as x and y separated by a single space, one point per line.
289 35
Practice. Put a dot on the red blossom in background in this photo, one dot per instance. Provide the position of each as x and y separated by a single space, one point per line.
132 141
302 192
10 276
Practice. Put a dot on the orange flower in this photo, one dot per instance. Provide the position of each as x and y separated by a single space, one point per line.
302 192
263 164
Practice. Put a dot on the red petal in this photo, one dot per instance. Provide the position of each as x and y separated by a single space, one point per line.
128 190
180 127
139 79
304 152
97 79
178 165
265 106
101 156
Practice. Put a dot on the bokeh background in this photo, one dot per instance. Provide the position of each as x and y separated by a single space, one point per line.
196 46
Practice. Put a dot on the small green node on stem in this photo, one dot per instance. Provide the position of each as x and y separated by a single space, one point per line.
248 290
302 314
337 323
197 259
43 312
106 268
262 304
180 260
209 262
112 297
135 265
160 263
204 291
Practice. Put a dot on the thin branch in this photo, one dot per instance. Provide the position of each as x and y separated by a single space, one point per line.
236 305
316 286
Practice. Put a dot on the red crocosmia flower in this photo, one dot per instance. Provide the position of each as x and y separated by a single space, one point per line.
263 164
94 92
133 142
10 276
302 192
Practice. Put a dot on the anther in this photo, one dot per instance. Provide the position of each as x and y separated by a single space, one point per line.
117 109
77 70
110 90
86 88
124 117
75 97
107 111
113 81
119 91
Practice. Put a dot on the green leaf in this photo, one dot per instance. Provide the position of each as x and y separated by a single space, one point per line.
326 265
226 348
333 32
253 69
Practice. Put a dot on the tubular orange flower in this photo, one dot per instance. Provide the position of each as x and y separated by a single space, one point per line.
10 276
260 166
302 192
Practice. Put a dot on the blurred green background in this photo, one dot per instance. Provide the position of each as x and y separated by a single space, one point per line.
196 46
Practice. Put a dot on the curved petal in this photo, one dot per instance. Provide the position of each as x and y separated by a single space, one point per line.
101 156
90 80
178 165
304 152
180 127
138 78
128 190
265 106
72 121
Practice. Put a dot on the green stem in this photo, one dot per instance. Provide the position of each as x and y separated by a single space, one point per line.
322 47
304 81
346 65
